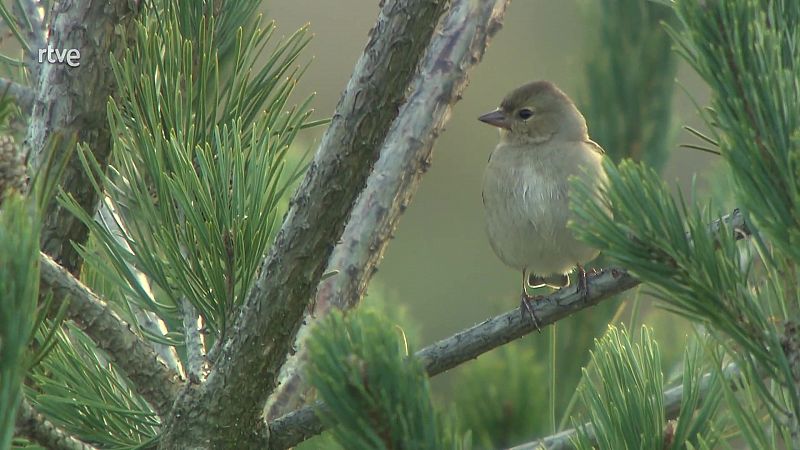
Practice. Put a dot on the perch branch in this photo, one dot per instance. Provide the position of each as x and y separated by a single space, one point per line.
494 332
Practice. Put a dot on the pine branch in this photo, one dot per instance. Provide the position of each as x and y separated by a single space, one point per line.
264 332
672 408
154 381
147 321
448 353
72 100
405 157
31 424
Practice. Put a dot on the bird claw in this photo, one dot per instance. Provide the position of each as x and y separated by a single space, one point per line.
583 283
527 306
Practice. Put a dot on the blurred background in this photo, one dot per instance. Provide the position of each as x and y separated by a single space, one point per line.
614 59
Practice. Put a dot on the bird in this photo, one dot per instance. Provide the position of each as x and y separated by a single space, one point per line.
544 141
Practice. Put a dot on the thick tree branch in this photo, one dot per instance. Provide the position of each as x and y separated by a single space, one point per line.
135 357
405 157
263 334
31 424
406 153
494 332
72 101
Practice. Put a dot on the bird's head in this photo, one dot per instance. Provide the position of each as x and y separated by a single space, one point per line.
535 113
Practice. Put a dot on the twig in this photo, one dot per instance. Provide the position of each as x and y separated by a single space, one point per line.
672 408
271 313
134 356
146 320
405 157
447 353
195 349
31 424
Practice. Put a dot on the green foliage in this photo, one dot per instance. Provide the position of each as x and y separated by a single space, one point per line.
702 277
198 168
80 391
202 126
746 295
501 396
625 403
18 25
630 71
376 396
747 51
19 290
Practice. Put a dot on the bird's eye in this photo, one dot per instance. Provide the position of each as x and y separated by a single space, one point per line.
525 113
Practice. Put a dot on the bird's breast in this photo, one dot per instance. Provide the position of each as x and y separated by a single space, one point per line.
525 195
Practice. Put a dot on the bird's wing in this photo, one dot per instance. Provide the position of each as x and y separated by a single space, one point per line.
595 146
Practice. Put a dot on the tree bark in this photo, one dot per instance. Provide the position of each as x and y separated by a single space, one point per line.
33 425
405 157
248 362
72 101
134 356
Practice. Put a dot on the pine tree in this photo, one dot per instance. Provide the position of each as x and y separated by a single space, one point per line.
182 238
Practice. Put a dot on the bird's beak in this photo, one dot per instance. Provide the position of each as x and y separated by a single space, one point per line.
496 118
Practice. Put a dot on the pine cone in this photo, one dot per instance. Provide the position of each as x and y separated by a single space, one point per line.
12 166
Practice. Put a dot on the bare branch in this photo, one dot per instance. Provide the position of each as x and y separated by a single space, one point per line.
405 157
135 357
494 332
406 153
498 330
31 424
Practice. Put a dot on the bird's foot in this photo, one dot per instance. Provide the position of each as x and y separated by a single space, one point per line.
526 305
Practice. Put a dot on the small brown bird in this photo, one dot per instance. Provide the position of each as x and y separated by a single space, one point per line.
543 141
